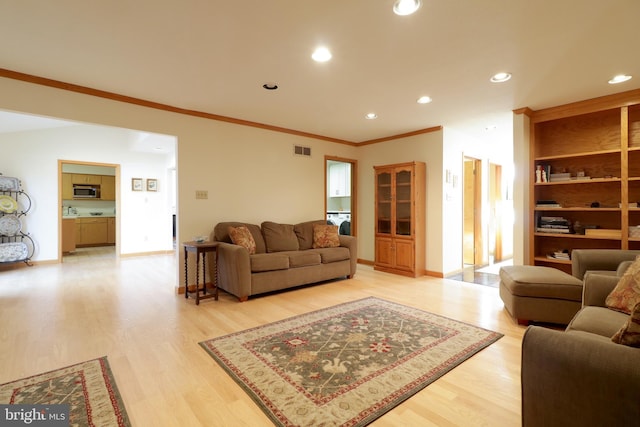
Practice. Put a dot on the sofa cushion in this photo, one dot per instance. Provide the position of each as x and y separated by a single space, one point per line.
279 237
221 234
304 232
303 258
626 294
329 255
325 236
597 320
242 236
268 262
629 334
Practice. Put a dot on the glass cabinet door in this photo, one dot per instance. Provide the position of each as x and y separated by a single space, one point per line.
403 202
383 189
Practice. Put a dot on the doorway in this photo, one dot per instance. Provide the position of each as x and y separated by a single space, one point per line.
483 252
341 194
88 222
472 246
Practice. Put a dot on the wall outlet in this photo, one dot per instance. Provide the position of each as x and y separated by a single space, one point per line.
202 194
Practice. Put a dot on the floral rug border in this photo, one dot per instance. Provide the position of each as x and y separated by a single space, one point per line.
89 388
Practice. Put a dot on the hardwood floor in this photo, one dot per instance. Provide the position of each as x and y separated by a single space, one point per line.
125 308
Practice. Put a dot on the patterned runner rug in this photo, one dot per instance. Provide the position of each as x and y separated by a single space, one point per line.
88 388
345 365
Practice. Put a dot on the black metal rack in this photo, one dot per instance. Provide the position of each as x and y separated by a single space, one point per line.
15 245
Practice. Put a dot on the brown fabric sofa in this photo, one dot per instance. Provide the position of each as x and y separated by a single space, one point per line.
284 258
579 377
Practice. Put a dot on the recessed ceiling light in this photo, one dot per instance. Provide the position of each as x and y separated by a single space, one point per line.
619 79
500 77
371 116
405 7
270 86
424 100
321 54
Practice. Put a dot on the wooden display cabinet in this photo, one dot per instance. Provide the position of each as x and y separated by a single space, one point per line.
400 218
599 139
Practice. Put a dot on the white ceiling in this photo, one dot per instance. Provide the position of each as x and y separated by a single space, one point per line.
213 56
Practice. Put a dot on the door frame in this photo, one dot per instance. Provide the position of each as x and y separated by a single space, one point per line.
354 189
495 203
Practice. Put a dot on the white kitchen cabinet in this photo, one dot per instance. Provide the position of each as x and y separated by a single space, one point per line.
340 179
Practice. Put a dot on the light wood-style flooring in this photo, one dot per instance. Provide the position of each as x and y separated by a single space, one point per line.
125 308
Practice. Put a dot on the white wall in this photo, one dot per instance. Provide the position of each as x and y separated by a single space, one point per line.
457 145
521 197
144 221
251 174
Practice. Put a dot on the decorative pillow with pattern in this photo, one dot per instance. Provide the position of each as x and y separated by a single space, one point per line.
629 334
242 236
325 236
626 294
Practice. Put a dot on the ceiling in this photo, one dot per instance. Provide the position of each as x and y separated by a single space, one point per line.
214 56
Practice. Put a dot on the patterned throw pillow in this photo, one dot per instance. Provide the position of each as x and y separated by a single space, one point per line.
325 236
626 294
629 334
242 236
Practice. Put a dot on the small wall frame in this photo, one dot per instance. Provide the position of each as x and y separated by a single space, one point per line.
136 184
152 184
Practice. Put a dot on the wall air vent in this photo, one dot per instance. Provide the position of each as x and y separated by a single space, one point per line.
302 151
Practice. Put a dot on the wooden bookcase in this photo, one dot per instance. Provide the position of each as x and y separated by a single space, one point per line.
599 138
400 218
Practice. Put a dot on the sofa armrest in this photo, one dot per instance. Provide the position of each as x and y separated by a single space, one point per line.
352 243
597 287
573 379
583 260
234 270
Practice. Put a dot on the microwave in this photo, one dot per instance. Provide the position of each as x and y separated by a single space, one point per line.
85 192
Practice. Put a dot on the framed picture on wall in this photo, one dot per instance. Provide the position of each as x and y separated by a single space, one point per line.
136 184
152 185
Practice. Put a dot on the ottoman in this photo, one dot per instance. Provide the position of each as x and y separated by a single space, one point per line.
540 294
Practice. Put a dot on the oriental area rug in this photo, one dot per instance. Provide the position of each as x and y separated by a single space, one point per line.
88 388
345 365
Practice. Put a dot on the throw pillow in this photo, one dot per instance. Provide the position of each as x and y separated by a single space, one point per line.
629 334
325 236
242 236
279 237
626 294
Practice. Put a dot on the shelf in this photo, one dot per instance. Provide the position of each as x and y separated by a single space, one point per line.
574 236
578 181
577 209
581 154
552 260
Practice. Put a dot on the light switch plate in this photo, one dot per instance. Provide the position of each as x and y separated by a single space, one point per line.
202 194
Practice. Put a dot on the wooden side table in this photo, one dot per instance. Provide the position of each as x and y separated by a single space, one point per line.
201 249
